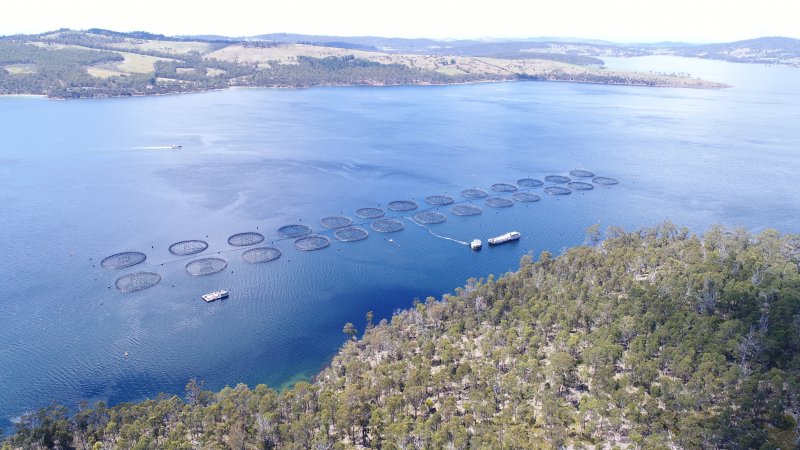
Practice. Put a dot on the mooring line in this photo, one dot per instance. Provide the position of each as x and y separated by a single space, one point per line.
437 235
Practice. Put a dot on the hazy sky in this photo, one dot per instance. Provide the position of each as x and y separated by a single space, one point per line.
618 20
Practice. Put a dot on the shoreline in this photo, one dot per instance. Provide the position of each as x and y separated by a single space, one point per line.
700 84
25 95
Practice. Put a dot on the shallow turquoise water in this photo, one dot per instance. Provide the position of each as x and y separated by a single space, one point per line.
80 180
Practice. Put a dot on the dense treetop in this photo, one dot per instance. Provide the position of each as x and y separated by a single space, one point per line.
650 339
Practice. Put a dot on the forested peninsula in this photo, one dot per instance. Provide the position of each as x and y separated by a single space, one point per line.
102 63
656 338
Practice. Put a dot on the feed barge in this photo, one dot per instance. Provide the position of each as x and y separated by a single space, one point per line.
503 238
216 295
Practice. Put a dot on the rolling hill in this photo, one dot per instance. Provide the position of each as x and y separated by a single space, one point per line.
102 63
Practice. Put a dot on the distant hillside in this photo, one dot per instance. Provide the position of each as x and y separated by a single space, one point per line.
491 49
379 43
766 50
655 339
500 48
102 63
769 50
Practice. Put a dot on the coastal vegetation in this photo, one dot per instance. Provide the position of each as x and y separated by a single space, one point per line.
656 338
102 63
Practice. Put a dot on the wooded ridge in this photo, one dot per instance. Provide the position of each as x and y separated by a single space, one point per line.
102 63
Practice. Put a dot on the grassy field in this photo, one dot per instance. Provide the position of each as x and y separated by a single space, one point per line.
55 46
282 54
135 63
20 69
215 72
450 71
100 72
167 46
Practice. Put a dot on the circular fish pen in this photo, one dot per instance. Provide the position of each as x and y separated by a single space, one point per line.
369 213
529 182
311 243
558 179
474 193
137 281
350 234
439 200
206 266
245 239
261 255
580 186
122 260
503 187
605 181
186 248
466 210
387 225
557 190
294 231
335 222
580 173
429 217
499 202
402 205
526 197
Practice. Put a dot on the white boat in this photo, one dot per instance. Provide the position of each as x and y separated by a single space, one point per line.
510 236
176 147
475 244
216 295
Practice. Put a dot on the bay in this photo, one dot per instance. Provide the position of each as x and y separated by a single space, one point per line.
81 180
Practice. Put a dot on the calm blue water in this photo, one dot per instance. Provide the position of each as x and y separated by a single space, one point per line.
80 180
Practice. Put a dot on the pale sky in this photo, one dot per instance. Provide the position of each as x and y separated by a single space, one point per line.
614 20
